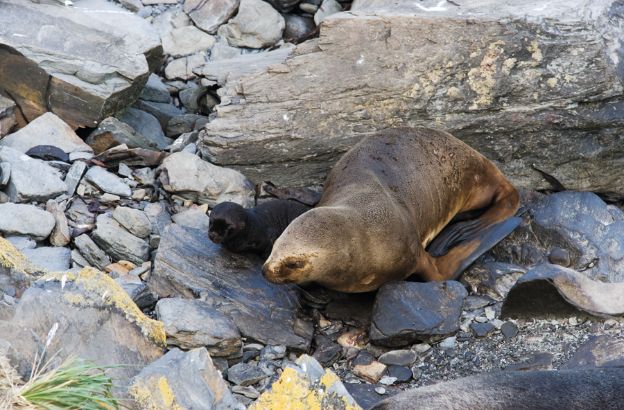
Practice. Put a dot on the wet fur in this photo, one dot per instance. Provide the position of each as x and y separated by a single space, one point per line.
252 230
384 201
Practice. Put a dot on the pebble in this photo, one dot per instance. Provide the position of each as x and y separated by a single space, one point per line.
448 343
416 373
421 347
509 330
244 374
398 357
490 313
482 329
380 390
363 358
371 372
400 373
387 380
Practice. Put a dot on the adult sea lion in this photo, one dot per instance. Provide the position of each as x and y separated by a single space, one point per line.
383 204
252 230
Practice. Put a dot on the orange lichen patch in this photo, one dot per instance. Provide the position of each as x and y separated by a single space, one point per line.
106 292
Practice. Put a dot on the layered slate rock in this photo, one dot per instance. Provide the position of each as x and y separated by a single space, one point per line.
21 219
584 389
92 67
506 91
189 265
182 380
598 351
193 323
405 312
47 129
551 290
190 177
118 242
92 317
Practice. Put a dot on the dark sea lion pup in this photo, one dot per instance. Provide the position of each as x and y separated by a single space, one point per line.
383 204
252 230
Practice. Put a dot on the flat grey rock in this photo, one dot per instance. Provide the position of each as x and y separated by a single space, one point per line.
99 71
190 177
193 381
147 125
118 243
184 68
405 312
271 127
245 374
91 252
134 220
107 181
327 8
112 132
50 258
20 219
47 129
598 351
256 25
188 265
186 40
74 175
31 179
155 90
191 323
192 218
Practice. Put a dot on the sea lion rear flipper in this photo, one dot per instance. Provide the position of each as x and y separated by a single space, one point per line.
476 247
454 234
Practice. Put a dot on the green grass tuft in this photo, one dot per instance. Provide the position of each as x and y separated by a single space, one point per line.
75 384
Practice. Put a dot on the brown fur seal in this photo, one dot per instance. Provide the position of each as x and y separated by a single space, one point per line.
383 204
252 230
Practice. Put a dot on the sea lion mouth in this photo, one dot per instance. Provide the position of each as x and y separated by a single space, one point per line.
215 237
285 271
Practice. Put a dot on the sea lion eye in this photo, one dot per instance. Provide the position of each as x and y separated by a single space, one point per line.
294 264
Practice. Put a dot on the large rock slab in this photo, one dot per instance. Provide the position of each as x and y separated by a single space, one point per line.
30 179
545 389
190 177
92 67
182 380
47 129
189 265
93 318
405 312
551 290
598 351
499 75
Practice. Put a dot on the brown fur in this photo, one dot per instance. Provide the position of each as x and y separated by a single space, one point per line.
383 203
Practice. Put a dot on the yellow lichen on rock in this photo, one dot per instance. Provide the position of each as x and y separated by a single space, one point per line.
112 294
11 258
154 394
292 391
483 79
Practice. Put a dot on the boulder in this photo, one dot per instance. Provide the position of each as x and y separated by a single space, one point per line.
497 75
111 132
405 312
256 25
99 72
186 40
189 265
190 177
48 129
31 179
192 323
209 15
182 380
87 315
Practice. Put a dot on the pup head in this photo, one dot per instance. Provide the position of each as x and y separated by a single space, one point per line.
227 219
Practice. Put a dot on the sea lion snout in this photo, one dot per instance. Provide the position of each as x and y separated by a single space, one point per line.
284 271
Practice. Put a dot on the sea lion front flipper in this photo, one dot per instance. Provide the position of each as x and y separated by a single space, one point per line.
458 258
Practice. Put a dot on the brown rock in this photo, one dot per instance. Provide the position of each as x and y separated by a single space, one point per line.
371 372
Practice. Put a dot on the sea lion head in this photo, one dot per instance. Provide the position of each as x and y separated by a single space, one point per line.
227 219
315 247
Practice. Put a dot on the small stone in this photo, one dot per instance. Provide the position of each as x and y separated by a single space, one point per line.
401 374
509 330
308 8
139 194
481 319
559 256
421 347
77 156
490 313
209 15
112 132
497 323
244 374
74 175
327 8
416 373
91 252
109 198
448 343
155 90
482 329
256 25
537 361
78 261
273 352
363 358
186 40
398 357
60 235
19 219
387 380
380 390
476 302
107 181
247 391
371 372
134 220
